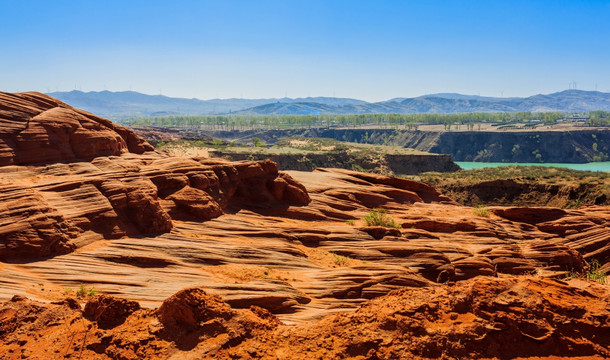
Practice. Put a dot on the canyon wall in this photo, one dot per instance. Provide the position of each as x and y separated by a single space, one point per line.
399 164
579 146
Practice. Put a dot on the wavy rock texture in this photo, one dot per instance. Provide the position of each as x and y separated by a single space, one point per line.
59 207
142 226
484 317
298 261
36 128
65 203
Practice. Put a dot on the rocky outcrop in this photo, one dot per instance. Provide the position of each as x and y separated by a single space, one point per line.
296 261
530 215
480 318
493 146
191 308
399 164
58 204
520 191
112 328
109 311
93 181
36 128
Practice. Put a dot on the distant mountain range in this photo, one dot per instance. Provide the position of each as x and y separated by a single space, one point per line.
118 105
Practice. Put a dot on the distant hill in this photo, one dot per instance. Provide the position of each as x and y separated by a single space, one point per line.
123 104
117 105
564 101
325 100
300 108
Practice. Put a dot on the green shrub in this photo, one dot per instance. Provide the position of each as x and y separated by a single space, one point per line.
83 292
258 142
350 222
358 168
379 217
595 272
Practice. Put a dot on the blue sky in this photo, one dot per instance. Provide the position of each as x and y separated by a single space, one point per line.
371 50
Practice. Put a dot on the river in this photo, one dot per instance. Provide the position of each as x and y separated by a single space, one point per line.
592 166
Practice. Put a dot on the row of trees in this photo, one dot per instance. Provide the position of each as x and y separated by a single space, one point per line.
406 121
599 118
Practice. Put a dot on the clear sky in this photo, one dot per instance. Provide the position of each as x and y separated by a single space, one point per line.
371 50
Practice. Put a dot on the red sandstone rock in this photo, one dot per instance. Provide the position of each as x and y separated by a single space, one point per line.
108 311
37 129
29 227
197 203
530 215
480 318
46 210
379 232
189 309
294 192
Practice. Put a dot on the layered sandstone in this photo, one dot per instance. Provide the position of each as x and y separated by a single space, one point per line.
66 202
243 241
249 241
35 128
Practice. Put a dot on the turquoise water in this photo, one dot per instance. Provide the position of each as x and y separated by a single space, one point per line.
593 166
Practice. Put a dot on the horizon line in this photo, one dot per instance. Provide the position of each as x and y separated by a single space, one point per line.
319 96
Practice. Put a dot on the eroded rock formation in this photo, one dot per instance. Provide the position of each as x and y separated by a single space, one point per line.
35 128
484 317
252 245
48 209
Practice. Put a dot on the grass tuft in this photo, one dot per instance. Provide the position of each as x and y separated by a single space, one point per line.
594 273
83 292
379 217
340 260
481 210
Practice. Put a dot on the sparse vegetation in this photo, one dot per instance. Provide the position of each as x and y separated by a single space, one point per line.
523 186
340 260
81 292
306 154
594 272
84 292
380 217
357 167
351 222
481 210
537 173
